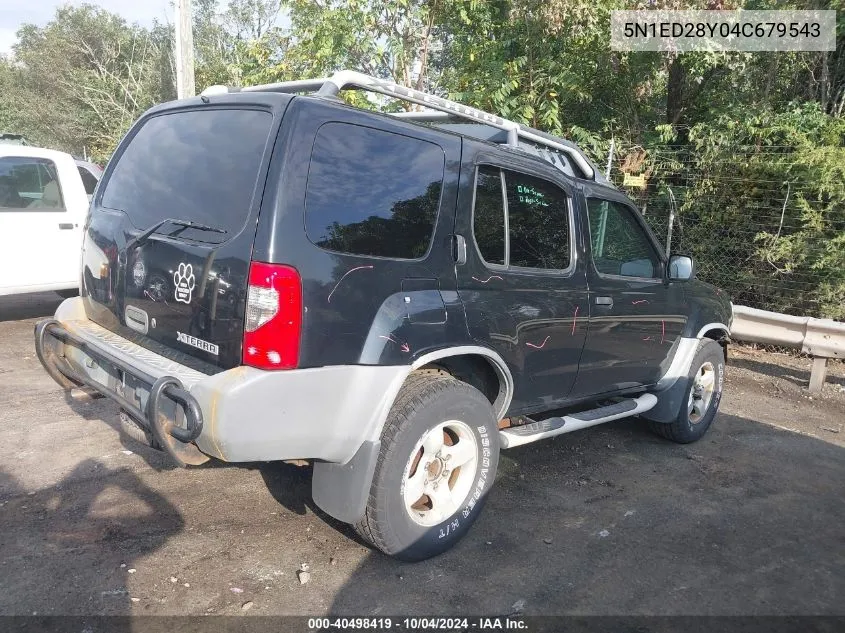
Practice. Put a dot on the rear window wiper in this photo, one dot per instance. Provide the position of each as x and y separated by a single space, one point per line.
144 235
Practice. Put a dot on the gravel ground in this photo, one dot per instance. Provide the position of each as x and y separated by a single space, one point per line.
611 520
775 385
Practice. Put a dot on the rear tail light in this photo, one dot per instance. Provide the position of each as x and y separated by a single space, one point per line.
273 317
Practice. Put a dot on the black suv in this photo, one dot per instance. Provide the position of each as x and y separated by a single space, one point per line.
395 298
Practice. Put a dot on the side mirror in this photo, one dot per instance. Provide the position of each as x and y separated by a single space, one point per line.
681 268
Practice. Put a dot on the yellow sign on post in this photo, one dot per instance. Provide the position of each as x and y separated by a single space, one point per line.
634 181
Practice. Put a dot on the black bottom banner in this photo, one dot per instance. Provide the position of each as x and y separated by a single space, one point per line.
453 624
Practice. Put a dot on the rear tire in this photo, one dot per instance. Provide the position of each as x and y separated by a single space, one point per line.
421 503
701 398
134 431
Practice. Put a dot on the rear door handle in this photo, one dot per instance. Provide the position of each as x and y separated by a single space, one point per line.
65 226
604 301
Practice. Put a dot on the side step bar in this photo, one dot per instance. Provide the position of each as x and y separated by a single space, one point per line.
534 431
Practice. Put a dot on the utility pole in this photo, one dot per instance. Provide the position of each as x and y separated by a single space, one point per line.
610 157
184 51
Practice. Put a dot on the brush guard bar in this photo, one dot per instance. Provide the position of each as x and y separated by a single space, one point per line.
174 439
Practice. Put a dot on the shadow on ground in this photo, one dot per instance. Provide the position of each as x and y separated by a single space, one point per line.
289 485
747 521
28 306
91 528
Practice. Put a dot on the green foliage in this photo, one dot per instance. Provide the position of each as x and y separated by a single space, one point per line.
516 58
762 206
79 82
388 38
238 46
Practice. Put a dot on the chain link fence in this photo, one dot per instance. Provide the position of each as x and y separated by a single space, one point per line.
754 219
771 241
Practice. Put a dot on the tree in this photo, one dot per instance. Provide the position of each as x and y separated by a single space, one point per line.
392 39
12 118
80 81
235 47
86 76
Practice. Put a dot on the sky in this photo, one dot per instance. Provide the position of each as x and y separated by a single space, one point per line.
14 13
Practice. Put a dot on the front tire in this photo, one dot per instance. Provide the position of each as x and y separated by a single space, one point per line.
701 398
438 459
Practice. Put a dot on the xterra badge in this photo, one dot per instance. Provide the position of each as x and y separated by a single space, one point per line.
193 341
184 280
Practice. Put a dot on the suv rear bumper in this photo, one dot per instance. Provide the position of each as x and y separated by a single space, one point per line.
242 414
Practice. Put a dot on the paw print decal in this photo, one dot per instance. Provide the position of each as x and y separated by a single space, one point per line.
184 281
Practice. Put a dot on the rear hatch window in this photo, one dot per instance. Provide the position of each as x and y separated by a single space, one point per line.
166 258
198 165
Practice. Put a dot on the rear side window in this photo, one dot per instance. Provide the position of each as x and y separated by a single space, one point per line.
538 223
488 219
372 192
538 229
29 183
199 165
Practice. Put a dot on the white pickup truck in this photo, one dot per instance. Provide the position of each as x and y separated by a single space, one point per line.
43 204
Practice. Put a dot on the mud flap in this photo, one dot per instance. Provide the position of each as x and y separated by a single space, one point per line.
341 490
669 402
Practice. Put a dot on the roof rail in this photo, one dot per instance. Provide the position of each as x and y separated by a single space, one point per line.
349 79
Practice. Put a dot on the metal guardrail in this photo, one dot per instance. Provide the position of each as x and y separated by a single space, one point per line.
821 338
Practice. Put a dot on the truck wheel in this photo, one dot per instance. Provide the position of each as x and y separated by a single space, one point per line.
701 398
438 458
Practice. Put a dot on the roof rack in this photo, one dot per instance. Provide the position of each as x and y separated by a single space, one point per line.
443 109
